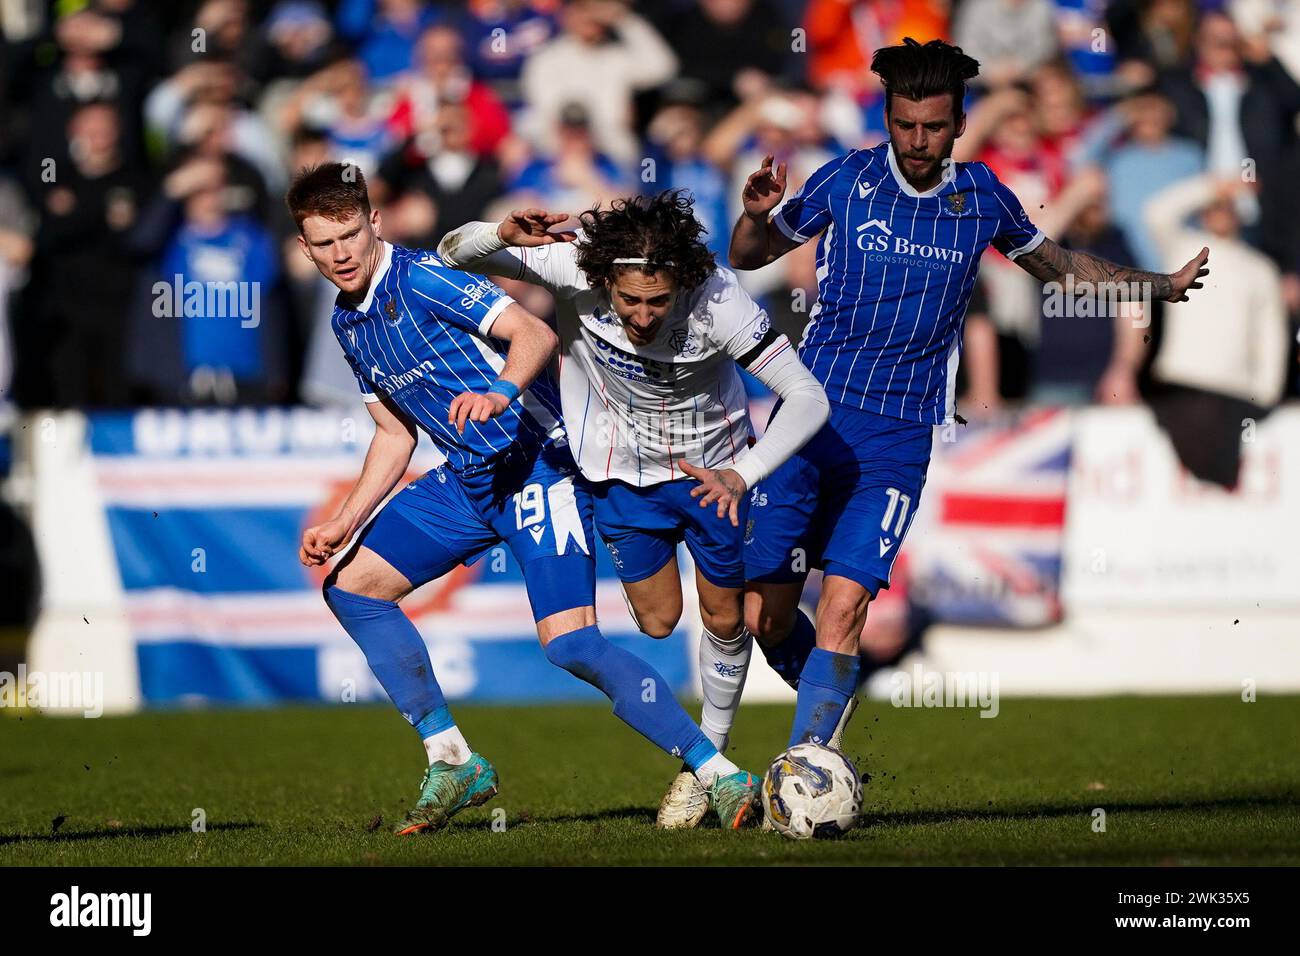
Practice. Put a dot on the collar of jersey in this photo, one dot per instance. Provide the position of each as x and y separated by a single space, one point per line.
384 261
902 182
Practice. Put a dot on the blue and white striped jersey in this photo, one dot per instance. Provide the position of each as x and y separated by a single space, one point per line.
421 337
895 269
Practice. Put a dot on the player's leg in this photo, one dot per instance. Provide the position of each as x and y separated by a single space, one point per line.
830 674
871 492
782 631
655 601
641 537
782 541
561 578
725 645
642 527
421 534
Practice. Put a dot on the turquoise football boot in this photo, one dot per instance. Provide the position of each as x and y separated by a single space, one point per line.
448 789
735 798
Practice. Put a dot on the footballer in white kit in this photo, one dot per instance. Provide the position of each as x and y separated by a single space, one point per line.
652 333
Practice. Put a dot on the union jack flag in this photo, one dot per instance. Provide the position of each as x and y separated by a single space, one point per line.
987 542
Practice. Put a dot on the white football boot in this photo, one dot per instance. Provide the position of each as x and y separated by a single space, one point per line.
837 738
684 805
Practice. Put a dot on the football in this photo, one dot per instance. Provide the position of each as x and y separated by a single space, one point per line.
811 791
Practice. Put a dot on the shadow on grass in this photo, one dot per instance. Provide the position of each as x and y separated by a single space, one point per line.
905 818
7 839
611 815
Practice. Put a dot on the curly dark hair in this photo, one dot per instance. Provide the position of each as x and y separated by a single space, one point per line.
921 70
661 228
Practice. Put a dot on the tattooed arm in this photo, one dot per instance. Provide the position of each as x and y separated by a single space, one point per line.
1048 262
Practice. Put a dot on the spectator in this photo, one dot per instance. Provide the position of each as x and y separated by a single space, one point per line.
1082 37
91 68
215 81
785 125
208 131
338 100
1277 23
212 331
676 135
605 55
1223 357
1008 37
71 335
1133 145
385 33
441 77
296 43
728 45
500 35
576 176
1091 346
1155 34
1242 113
458 182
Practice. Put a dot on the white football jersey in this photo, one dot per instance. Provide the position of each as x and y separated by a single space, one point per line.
634 412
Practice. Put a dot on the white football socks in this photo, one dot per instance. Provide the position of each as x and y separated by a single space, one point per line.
713 768
723 666
448 745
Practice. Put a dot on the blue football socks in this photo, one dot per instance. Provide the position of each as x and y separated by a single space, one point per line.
788 657
828 681
642 698
397 655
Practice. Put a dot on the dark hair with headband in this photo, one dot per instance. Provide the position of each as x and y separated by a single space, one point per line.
650 233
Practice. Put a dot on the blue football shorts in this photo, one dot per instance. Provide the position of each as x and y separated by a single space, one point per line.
843 503
534 502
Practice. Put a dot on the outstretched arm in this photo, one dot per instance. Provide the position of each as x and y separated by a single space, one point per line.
1048 262
510 248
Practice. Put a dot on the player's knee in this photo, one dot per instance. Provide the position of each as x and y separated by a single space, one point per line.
658 626
839 623
768 625
722 622
360 578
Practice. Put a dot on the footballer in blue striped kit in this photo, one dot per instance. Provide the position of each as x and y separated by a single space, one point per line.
902 228
448 353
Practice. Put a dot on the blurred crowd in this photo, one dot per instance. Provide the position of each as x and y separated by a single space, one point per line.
145 148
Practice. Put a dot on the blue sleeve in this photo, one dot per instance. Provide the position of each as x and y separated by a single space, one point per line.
367 390
808 211
1015 235
459 298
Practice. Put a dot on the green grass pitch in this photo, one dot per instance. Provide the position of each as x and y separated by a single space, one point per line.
1191 780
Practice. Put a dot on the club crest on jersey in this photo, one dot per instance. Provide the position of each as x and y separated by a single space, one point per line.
683 342
391 315
955 203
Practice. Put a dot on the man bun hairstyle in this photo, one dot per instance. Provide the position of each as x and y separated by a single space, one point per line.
336 191
650 233
919 70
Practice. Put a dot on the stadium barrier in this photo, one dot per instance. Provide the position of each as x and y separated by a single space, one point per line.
1064 550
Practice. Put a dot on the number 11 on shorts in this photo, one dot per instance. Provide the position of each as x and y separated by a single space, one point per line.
900 503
